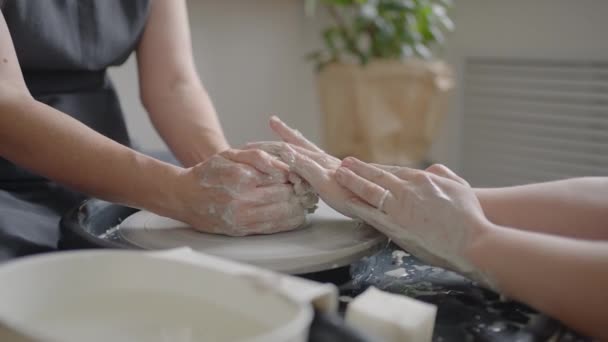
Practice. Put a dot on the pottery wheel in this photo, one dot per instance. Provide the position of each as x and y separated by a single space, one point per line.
328 240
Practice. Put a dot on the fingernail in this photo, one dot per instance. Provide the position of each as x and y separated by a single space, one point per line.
275 119
348 162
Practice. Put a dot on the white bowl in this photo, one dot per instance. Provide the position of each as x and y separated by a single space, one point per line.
136 296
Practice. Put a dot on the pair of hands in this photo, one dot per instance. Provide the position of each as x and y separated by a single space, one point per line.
242 192
434 213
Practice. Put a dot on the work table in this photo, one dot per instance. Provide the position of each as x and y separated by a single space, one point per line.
466 311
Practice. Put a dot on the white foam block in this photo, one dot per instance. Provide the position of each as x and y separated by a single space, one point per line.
390 317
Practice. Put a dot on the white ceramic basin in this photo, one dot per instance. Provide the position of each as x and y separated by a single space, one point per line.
154 297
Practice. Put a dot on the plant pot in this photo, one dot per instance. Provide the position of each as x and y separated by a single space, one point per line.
385 112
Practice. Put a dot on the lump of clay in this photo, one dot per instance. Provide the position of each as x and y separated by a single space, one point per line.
304 193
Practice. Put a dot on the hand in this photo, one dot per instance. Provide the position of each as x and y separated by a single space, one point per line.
433 213
460 215
306 147
309 162
317 169
303 145
237 193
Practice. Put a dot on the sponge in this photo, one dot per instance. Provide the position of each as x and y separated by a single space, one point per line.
390 317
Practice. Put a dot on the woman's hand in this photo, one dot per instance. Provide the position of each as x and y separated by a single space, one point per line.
434 212
305 146
316 168
237 193
433 215
309 162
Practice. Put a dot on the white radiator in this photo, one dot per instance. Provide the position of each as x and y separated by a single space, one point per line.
534 120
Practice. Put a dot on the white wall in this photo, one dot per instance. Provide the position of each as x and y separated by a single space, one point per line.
249 54
559 29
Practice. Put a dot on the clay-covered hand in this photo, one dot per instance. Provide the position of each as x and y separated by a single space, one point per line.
303 145
295 138
316 168
309 162
302 189
237 193
434 213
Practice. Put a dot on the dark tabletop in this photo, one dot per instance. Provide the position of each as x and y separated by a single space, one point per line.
466 311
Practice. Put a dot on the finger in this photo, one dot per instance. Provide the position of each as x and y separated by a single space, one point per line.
276 227
372 193
291 135
372 173
305 167
414 176
396 232
394 169
260 160
268 194
379 220
269 213
406 173
444 171
402 172
222 171
275 148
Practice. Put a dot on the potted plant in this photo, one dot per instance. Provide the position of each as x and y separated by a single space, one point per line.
382 92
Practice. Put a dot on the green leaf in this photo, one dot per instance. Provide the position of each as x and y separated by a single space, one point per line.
407 51
330 37
369 11
423 51
442 15
438 36
314 56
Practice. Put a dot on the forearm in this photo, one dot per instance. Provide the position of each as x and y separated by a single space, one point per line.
185 117
574 207
565 278
170 87
54 145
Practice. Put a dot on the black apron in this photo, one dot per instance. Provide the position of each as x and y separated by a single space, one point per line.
64 48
